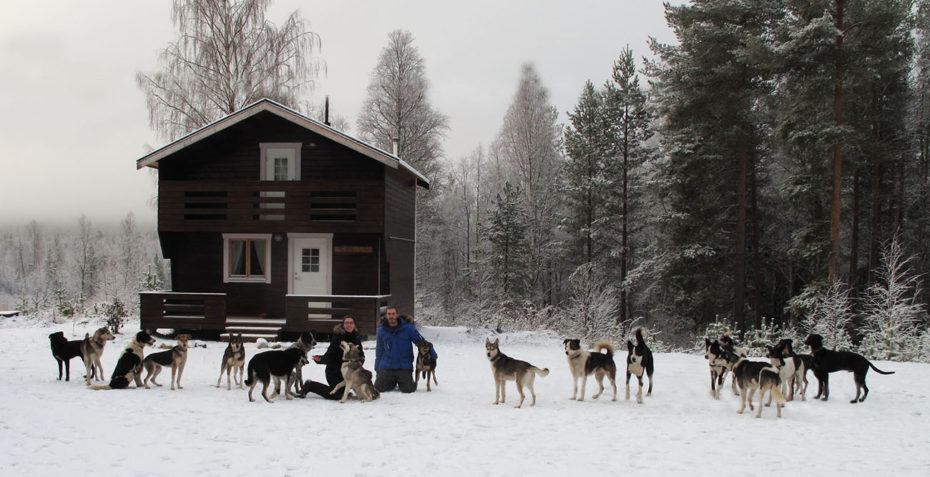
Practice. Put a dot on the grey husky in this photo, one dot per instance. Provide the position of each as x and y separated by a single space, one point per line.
354 376
92 350
505 368
233 362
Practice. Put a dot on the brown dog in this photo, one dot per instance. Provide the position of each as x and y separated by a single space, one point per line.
175 357
426 363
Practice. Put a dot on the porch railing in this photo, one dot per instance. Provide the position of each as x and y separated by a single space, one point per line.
187 311
319 313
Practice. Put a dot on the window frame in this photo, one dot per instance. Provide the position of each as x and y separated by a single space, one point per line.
263 162
227 278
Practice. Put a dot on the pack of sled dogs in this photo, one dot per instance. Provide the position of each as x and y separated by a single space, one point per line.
785 373
781 377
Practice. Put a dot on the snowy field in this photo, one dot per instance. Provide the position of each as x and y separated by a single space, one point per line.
47 426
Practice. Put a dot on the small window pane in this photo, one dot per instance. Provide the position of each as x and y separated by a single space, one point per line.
257 260
280 169
237 257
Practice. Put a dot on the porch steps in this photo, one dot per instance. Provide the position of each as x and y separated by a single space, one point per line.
253 328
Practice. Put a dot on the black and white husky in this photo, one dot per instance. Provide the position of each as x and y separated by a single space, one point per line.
716 360
585 363
129 366
639 361
791 369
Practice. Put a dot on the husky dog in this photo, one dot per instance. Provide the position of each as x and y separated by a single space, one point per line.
63 350
790 368
426 363
827 361
505 368
277 364
175 357
305 342
585 363
92 350
129 366
757 375
716 360
233 361
639 360
354 376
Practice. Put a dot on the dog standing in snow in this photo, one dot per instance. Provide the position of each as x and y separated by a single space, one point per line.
639 361
585 363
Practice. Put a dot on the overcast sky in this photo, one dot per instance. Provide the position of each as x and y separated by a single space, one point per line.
74 122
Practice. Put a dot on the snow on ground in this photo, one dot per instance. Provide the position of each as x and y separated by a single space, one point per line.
47 426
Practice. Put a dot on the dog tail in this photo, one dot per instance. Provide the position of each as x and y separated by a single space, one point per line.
99 387
769 378
640 335
542 372
878 370
605 345
251 378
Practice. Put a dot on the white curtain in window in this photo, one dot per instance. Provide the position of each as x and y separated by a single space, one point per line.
237 257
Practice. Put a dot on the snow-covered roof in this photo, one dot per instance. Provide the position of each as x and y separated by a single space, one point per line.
265 104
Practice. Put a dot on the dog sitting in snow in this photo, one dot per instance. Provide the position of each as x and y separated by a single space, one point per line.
354 376
639 361
585 363
129 366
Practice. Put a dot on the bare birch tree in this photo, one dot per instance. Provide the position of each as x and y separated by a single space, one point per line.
227 55
397 106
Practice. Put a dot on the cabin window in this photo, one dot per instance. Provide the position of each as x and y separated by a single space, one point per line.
280 161
247 258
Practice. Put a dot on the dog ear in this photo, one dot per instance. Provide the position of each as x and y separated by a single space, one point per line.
497 342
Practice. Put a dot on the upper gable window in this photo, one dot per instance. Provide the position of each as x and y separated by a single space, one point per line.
280 161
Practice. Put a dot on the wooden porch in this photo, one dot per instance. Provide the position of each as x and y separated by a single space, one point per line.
206 314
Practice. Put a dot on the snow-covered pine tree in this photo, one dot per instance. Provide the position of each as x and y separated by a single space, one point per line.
509 255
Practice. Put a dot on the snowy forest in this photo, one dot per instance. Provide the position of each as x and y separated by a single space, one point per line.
766 174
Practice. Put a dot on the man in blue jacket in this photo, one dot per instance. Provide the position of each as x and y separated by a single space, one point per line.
394 353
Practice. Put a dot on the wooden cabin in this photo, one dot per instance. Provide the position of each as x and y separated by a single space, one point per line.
275 223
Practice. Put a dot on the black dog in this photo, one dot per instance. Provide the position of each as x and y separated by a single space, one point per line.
827 361
638 360
63 350
274 364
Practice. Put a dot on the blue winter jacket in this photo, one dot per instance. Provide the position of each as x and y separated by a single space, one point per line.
394 349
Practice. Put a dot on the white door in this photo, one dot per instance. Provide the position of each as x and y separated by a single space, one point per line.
311 268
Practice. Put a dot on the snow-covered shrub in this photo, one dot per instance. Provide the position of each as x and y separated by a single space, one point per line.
115 312
891 311
715 330
826 311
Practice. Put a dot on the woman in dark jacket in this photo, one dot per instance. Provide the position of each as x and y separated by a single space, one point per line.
332 358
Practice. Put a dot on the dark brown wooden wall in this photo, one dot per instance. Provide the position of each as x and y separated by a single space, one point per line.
197 267
400 228
234 154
